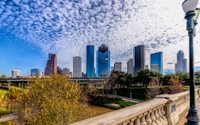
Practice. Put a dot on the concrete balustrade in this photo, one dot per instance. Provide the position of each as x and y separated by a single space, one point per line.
162 110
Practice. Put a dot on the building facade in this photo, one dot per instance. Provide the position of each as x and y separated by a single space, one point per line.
181 65
139 58
51 66
156 61
130 67
117 66
16 73
103 61
77 67
90 61
35 72
66 72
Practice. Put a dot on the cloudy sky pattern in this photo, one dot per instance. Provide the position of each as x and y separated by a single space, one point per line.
65 27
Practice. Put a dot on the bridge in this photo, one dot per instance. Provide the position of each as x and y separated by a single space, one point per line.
22 82
163 110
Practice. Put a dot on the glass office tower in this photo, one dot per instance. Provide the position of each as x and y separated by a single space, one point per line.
157 62
103 61
90 61
139 58
35 72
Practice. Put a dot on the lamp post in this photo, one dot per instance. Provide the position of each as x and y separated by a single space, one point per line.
191 16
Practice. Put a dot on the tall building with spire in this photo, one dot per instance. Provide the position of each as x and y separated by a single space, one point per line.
90 61
139 58
103 61
51 66
181 65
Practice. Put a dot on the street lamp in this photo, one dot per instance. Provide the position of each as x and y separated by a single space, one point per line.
191 15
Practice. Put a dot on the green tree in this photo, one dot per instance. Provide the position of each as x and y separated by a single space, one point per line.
197 75
53 101
120 79
183 76
165 79
144 77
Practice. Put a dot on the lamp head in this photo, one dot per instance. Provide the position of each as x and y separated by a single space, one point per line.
197 12
189 5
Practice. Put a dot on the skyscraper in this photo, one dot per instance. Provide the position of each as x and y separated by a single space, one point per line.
103 61
118 66
16 73
90 61
139 57
51 67
157 62
181 65
35 72
130 66
77 67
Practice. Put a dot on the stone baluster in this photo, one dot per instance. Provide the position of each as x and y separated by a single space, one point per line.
148 120
153 118
132 121
157 116
137 122
160 114
143 120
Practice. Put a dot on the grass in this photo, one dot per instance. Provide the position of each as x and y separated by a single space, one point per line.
5 123
122 103
4 111
3 92
102 100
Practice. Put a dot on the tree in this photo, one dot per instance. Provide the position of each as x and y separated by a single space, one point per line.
120 79
144 77
12 97
197 75
183 76
3 76
111 84
53 101
151 93
165 80
176 84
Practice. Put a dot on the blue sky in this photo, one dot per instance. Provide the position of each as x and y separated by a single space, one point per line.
18 55
30 29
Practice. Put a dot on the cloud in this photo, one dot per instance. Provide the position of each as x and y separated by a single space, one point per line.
66 27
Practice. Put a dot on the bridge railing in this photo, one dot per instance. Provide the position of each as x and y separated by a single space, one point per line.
162 110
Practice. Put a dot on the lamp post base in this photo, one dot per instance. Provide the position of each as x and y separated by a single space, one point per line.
192 117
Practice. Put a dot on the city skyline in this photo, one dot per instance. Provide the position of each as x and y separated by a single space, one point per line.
65 28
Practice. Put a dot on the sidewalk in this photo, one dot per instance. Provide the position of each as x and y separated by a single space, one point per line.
182 118
124 98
